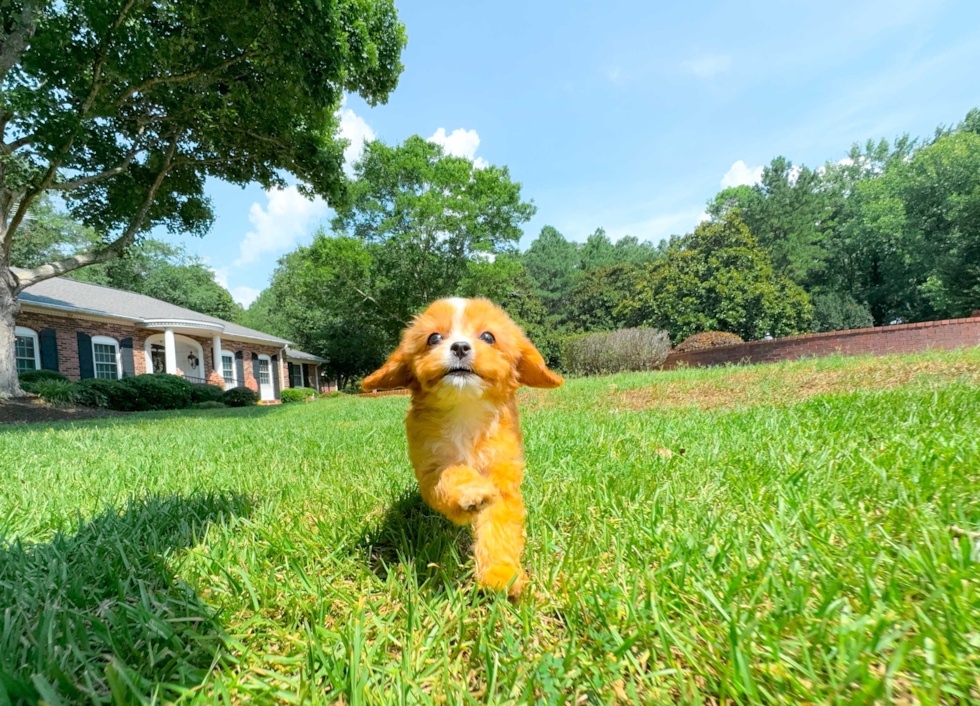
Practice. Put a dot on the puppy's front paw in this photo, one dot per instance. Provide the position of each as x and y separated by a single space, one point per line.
476 496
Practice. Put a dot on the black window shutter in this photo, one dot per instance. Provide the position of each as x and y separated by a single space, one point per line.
126 353
86 366
49 349
291 370
275 376
306 375
255 367
240 365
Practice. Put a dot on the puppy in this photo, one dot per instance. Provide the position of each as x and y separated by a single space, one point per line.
463 360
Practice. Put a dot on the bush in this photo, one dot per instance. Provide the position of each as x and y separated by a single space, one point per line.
840 312
57 392
297 394
158 391
616 351
98 392
206 393
240 397
209 404
33 376
706 340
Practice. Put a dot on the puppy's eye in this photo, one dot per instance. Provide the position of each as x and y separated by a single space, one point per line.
434 339
488 338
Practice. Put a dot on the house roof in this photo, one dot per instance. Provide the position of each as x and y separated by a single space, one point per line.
300 355
64 294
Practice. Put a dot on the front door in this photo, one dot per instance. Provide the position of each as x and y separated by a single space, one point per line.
266 393
158 357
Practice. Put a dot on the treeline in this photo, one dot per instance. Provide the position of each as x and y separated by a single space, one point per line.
891 233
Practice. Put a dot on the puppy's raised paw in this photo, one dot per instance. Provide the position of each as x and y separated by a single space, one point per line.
473 497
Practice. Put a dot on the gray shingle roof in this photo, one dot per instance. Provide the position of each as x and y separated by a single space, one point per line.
300 355
67 294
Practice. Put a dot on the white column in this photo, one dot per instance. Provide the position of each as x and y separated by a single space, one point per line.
216 351
170 350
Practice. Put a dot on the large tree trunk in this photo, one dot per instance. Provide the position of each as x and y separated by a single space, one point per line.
9 308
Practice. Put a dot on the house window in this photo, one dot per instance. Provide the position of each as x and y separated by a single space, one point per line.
26 350
297 380
228 370
264 378
105 354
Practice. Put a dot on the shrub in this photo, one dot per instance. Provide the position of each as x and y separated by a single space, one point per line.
206 393
57 392
153 392
616 351
240 397
840 312
208 404
297 394
98 392
706 340
33 376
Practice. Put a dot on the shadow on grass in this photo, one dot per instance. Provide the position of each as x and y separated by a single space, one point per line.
413 537
98 617
126 418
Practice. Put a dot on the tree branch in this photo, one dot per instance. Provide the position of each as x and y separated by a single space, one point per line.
180 77
82 181
110 251
12 45
9 147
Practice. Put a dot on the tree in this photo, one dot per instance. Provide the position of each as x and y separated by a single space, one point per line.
598 251
552 263
192 287
597 295
424 216
717 279
261 315
124 109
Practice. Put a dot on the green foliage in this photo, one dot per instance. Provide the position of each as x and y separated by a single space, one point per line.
206 393
209 404
30 377
790 549
297 394
717 279
54 391
839 312
240 397
152 392
552 262
607 353
98 392
596 298
422 216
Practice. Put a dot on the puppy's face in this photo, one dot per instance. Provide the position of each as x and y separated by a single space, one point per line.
463 348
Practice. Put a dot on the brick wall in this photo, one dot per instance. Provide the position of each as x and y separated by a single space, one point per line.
67 327
903 338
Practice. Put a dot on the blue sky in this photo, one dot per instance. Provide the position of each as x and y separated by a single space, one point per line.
629 115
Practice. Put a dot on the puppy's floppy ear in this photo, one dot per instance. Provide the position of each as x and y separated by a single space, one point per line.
531 368
396 372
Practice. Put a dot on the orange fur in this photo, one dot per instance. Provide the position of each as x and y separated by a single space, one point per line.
464 433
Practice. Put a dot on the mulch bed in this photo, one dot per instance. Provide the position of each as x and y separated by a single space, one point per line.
27 410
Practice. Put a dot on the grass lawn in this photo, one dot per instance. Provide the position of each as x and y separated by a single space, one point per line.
776 534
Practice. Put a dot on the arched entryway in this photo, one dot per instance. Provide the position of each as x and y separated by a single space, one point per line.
189 353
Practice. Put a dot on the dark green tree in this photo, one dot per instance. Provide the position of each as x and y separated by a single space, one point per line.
126 108
717 279
552 263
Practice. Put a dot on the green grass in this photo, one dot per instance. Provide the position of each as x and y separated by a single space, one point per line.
794 549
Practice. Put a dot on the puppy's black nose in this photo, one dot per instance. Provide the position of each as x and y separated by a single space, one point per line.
460 348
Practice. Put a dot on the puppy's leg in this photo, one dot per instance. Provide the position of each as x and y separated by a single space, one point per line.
499 531
458 492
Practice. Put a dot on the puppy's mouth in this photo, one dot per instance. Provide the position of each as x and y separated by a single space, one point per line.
459 373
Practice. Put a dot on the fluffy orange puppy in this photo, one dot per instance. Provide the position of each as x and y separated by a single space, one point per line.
463 360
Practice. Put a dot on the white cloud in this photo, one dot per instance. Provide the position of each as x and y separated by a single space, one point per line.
245 295
354 128
285 218
708 65
220 275
460 143
741 175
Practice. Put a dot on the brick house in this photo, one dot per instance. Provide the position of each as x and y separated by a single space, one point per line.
86 330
